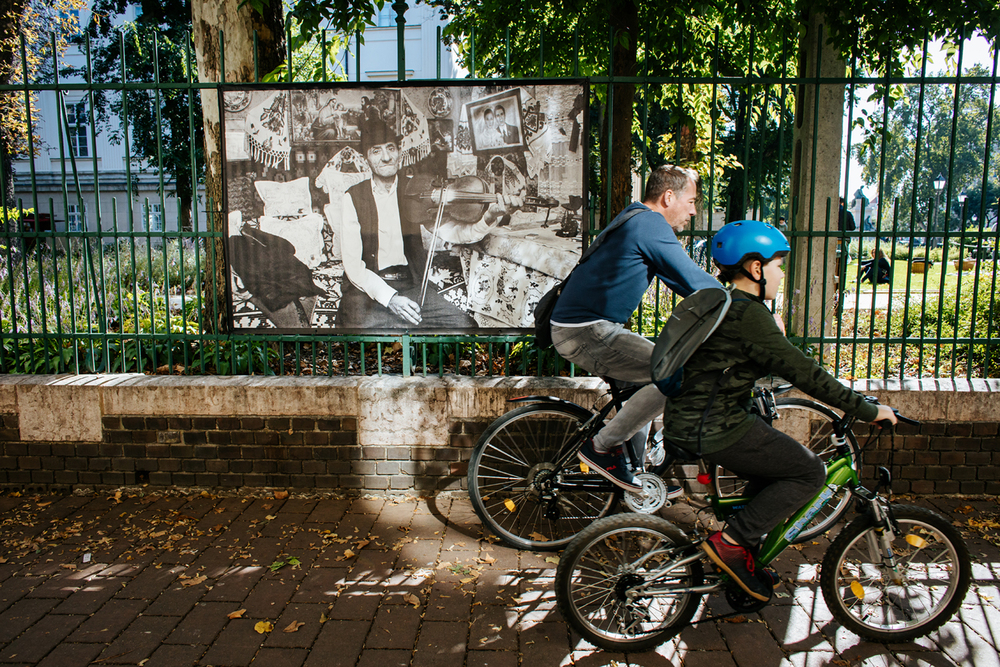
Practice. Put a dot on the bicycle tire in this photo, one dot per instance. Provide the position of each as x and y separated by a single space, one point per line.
928 546
593 599
809 423
510 462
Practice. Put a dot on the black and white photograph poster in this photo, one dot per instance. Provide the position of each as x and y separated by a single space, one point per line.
370 209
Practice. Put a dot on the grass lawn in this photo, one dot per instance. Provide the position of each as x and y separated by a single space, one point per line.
917 284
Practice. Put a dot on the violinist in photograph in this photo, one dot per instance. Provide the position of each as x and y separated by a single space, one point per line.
385 262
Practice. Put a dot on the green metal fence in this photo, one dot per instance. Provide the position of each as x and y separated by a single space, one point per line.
113 290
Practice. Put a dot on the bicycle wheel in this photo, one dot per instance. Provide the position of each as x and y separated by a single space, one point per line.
810 423
516 488
598 574
930 581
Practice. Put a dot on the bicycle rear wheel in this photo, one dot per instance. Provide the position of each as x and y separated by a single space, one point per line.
518 490
920 594
617 585
810 423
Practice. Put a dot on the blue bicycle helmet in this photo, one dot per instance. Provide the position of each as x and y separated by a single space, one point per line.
747 239
739 241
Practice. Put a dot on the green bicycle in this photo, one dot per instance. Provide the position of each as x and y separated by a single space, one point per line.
630 582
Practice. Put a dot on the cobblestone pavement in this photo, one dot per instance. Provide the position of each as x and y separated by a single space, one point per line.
197 579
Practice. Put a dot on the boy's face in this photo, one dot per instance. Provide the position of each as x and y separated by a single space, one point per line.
773 274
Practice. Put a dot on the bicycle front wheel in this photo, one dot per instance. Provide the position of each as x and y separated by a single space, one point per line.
618 585
518 489
810 423
928 583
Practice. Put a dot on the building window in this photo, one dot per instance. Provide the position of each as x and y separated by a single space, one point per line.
155 222
76 218
78 121
386 16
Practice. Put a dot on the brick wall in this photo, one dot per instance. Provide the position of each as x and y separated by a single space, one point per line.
379 434
939 457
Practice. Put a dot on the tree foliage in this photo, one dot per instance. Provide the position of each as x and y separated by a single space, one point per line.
892 156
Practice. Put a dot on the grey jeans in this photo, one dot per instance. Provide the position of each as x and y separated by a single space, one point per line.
782 476
609 349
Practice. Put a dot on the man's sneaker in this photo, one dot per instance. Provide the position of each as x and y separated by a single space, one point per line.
674 492
611 465
738 563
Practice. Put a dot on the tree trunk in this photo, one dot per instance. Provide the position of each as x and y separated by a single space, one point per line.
9 27
817 140
208 18
625 21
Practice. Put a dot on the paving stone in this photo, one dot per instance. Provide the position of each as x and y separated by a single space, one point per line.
384 658
139 640
280 657
175 601
15 588
446 603
492 628
321 585
237 644
394 627
305 617
441 644
110 620
71 655
90 597
751 644
22 615
710 659
202 624
492 659
545 644
338 644
43 636
172 655
268 598
235 585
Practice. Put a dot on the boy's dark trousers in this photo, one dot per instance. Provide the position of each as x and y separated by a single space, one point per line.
783 475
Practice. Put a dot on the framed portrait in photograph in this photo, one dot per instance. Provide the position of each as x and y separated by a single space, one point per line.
382 208
495 122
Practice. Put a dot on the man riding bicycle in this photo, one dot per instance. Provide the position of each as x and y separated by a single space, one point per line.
602 293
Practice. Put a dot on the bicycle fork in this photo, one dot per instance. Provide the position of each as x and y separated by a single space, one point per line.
885 531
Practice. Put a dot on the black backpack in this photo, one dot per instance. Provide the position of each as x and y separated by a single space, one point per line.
690 324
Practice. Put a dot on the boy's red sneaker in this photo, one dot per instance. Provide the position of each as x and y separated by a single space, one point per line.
738 563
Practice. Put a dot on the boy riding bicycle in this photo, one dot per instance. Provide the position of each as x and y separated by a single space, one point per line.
711 413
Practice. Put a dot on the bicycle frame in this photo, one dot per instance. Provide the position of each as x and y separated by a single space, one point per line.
839 473
588 429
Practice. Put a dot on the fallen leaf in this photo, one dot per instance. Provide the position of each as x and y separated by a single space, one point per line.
489 560
270 517
263 627
552 559
467 580
280 495
349 554
194 581
538 537
736 619
410 598
293 626
236 614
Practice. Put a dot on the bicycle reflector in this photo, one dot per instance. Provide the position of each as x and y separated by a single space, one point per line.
704 478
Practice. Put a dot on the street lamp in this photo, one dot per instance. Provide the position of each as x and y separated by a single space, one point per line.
939 183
